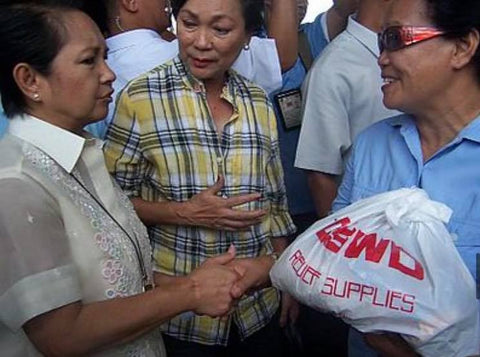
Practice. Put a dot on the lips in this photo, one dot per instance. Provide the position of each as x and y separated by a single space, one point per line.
107 96
388 79
201 62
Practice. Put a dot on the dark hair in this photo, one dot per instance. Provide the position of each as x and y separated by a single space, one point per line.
101 11
31 32
457 18
252 13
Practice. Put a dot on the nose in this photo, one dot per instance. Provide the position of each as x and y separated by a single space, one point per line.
107 75
383 59
203 39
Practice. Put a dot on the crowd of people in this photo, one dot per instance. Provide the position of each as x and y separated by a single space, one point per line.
151 177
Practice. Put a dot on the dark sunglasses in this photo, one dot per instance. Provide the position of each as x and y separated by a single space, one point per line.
396 37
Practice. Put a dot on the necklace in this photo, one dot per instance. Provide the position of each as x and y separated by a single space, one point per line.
146 284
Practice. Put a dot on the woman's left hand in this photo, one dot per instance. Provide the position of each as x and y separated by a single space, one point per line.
289 310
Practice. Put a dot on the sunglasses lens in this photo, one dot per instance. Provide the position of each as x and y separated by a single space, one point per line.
393 39
390 39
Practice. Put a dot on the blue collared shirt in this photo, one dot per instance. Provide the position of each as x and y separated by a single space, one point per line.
388 156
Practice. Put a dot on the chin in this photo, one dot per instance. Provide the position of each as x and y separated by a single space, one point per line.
390 103
201 75
95 117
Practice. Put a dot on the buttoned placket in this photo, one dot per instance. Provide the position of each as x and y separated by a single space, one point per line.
220 151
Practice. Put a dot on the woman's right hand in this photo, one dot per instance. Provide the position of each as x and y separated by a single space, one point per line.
212 283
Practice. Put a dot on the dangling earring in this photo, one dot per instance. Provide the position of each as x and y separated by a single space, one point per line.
168 8
246 47
117 23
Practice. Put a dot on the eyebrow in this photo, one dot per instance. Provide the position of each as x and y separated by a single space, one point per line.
215 17
95 49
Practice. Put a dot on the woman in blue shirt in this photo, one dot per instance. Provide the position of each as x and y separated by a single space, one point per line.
430 61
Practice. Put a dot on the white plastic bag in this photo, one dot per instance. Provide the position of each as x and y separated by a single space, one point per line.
387 263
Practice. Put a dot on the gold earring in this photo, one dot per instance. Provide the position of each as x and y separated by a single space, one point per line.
118 24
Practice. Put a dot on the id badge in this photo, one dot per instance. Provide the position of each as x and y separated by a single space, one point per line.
290 108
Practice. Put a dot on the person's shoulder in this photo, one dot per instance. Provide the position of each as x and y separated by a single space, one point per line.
20 160
333 60
340 50
11 148
247 88
345 45
149 80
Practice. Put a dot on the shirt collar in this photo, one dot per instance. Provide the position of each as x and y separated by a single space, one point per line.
364 35
400 120
61 145
470 132
130 38
229 91
197 85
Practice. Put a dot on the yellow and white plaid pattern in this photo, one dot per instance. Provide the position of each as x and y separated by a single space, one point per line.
162 145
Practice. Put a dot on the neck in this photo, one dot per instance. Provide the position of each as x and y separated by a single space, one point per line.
214 85
440 122
370 14
115 26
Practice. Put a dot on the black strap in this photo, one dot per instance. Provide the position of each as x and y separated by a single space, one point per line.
304 50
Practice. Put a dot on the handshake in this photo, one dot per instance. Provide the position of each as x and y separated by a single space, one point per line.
219 282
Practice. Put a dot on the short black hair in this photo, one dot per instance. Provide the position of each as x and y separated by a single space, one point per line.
457 18
252 13
31 32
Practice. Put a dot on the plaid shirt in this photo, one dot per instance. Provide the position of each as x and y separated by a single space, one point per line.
163 146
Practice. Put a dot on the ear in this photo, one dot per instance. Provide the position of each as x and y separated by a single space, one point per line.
130 5
28 81
465 49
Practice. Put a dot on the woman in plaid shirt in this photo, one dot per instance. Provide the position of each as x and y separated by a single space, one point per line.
195 146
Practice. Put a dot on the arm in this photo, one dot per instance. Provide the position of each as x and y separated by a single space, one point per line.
78 329
389 345
282 224
282 25
344 195
323 188
41 288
